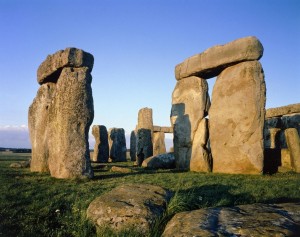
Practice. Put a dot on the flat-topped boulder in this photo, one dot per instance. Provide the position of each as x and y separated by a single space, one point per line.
135 206
212 61
245 220
51 68
161 161
283 110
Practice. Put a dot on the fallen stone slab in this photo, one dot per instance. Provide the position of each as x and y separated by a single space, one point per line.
162 161
21 164
212 61
129 206
246 220
283 110
50 69
121 169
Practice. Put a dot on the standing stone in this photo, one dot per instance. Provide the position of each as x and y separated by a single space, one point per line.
190 104
70 116
200 157
101 149
159 146
117 144
293 142
133 146
237 119
144 145
38 117
145 119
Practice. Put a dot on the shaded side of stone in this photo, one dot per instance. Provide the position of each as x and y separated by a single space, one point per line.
144 145
38 124
162 161
133 146
101 148
117 145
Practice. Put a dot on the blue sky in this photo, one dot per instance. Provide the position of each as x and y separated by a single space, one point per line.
136 45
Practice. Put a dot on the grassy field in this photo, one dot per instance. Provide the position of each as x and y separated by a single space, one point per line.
33 204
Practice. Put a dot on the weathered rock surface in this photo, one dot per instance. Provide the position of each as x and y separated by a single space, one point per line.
121 169
145 119
162 129
51 68
283 110
246 220
144 145
21 164
190 104
117 144
129 206
162 161
70 116
133 146
236 119
293 142
38 124
201 160
159 146
101 148
212 61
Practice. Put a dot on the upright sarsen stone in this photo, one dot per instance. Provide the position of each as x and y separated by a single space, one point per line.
133 146
237 118
159 146
101 148
70 116
117 144
190 104
38 120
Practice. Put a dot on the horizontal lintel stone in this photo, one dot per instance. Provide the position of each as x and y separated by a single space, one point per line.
162 129
212 61
50 68
283 110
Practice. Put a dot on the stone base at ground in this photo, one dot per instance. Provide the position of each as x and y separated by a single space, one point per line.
246 220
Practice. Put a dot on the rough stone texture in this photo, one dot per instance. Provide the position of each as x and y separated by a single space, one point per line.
101 148
236 119
162 161
246 220
38 121
283 110
145 119
213 60
51 68
133 146
190 103
159 146
271 138
117 145
200 158
129 206
70 116
121 169
285 165
144 145
293 142
162 129
21 164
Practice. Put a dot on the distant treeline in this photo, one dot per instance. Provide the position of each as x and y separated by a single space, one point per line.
16 150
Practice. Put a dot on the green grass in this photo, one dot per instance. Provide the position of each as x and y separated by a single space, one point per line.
33 204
